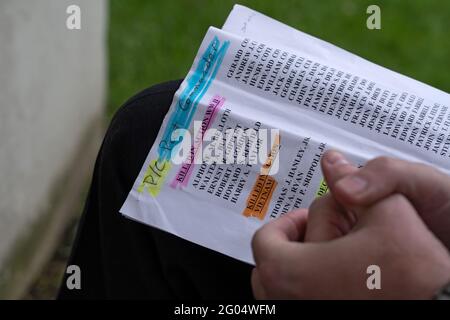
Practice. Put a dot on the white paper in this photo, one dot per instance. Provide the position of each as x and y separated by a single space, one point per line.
258 74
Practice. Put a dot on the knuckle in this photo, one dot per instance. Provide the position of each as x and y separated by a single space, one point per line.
382 161
421 167
257 240
395 200
314 206
385 163
397 203
268 274
318 203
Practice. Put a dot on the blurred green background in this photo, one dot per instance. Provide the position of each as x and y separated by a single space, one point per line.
151 41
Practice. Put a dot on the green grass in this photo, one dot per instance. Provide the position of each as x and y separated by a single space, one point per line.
151 41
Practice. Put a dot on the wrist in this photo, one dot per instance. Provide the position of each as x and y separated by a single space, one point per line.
443 293
433 277
442 282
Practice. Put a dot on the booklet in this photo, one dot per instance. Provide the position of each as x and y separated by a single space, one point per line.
242 141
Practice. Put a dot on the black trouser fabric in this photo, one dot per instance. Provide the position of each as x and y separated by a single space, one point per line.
121 258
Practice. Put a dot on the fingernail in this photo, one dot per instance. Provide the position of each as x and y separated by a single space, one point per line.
352 184
335 158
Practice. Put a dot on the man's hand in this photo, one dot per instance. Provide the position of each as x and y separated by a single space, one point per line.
390 234
342 241
426 188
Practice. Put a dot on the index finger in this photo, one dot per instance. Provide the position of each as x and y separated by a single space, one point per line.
269 239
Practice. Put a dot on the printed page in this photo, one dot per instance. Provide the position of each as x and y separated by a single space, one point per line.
246 22
242 141
412 126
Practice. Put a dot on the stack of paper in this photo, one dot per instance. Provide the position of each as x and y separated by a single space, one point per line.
242 141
